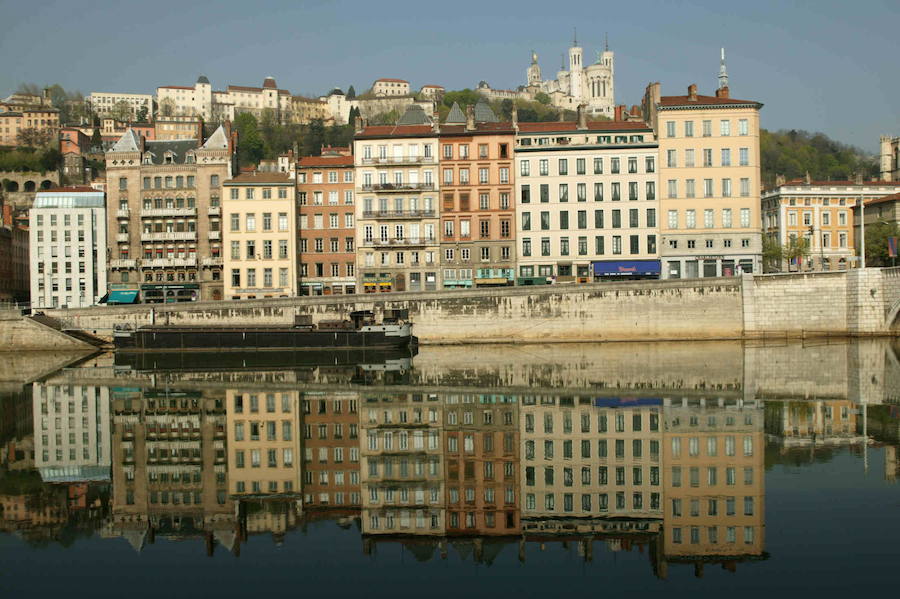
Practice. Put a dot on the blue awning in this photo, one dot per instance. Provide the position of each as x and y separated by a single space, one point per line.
122 296
625 402
626 268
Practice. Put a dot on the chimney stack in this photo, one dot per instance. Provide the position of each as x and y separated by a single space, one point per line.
619 113
582 117
692 92
722 92
470 118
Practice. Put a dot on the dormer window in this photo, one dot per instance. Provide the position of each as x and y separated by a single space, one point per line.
169 157
189 158
148 158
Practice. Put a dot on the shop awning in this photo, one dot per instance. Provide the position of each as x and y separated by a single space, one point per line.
626 268
626 402
122 296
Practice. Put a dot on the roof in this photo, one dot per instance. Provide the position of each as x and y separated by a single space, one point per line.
672 101
202 79
894 197
455 116
798 182
483 113
157 149
217 141
593 126
382 131
389 80
261 178
175 87
244 88
129 142
8 113
71 189
311 161
414 115
480 128
434 86
270 83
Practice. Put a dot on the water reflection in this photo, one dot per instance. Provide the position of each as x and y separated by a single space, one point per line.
659 449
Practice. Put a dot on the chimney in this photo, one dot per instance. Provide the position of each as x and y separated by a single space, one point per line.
692 92
636 111
358 124
722 92
619 113
470 118
582 117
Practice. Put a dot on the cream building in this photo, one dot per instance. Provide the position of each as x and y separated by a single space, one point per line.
890 158
709 176
587 202
219 106
260 236
390 87
102 103
67 240
592 85
397 215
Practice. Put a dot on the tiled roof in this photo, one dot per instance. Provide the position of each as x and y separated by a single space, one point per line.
433 86
71 189
311 161
380 131
702 101
593 126
480 128
243 88
894 197
260 178
798 182
455 116
270 83
389 80
175 87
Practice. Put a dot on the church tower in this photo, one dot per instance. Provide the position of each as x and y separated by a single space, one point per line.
534 71
576 66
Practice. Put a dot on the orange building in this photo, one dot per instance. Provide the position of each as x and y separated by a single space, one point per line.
39 119
327 226
331 450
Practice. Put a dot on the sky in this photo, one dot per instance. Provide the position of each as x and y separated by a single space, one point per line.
818 65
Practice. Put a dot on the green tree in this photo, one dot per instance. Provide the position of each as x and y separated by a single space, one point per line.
351 93
797 248
542 98
251 148
772 254
96 138
877 244
51 159
35 138
142 114
463 97
795 153
313 138
121 111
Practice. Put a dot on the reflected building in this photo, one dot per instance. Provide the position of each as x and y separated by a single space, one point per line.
714 481
331 450
170 467
813 423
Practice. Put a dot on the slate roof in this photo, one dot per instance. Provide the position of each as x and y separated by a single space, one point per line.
217 141
179 147
483 113
414 115
202 79
129 142
456 116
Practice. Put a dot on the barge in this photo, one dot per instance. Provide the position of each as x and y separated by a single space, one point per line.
361 331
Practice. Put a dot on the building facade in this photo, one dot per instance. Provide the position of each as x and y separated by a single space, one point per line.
390 87
220 106
14 125
103 103
709 176
331 450
327 225
478 224
587 203
260 236
165 215
397 215
67 236
177 127
890 158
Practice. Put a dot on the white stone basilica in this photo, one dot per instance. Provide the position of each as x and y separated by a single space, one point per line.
591 85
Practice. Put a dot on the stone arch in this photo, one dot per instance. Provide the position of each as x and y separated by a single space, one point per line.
11 186
46 184
29 186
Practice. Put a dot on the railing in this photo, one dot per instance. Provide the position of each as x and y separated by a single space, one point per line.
212 261
122 237
400 242
398 213
215 235
123 263
165 262
397 186
123 213
400 160
169 212
170 236
214 210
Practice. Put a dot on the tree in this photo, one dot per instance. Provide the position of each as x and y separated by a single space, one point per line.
51 160
542 98
796 249
96 138
167 107
877 244
772 254
35 138
463 97
795 153
142 114
121 111
351 93
250 144
313 138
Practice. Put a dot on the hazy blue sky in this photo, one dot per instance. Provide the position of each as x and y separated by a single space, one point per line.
817 65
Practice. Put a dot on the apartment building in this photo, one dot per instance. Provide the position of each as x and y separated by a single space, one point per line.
397 215
715 478
710 178
401 469
220 106
481 464
587 205
40 120
590 457
263 443
331 450
165 215
67 237
327 213
178 127
103 103
477 214
260 237
390 87
821 212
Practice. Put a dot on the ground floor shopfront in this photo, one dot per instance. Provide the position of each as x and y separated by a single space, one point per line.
703 267
588 272
342 286
467 278
387 281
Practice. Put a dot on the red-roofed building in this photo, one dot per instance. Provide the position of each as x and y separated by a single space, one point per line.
390 87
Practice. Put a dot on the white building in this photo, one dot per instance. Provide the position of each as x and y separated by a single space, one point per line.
220 106
390 87
103 103
579 84
68 247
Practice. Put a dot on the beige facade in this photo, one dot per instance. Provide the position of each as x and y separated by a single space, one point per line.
709 177
587 200
305 110
178 127
390 87
220 106
397 214
44 120
260 236
103 103
890 158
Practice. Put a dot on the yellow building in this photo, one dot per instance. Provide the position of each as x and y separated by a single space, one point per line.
822 213
260 236
709 177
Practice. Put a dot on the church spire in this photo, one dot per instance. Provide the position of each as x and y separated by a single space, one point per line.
574 37
606 41
723 72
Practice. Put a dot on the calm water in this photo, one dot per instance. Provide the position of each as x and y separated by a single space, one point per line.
698 468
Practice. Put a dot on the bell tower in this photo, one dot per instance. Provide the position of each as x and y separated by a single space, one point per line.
576 67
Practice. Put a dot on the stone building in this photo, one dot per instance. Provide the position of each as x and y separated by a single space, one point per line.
397 215
14 257
220 106
709 176
44 121
890 158
592 85
68 241
260 236
390 87
103 103
165 215
327 225
478 232
177 127
587 204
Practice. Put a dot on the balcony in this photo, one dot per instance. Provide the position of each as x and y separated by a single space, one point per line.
386 160
123 213
122 237
168 262
395 187
170 236
123 263
168 212
215 235
216 261
399 214
407 242
214 211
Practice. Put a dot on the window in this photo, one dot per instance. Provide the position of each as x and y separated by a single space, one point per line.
744 156
689 128
690 218
673 219
743 127
524 168
745 217
544 167
671 158
725 128
563 192
563 166
726 157
707 128
672 188
598 166
670 128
